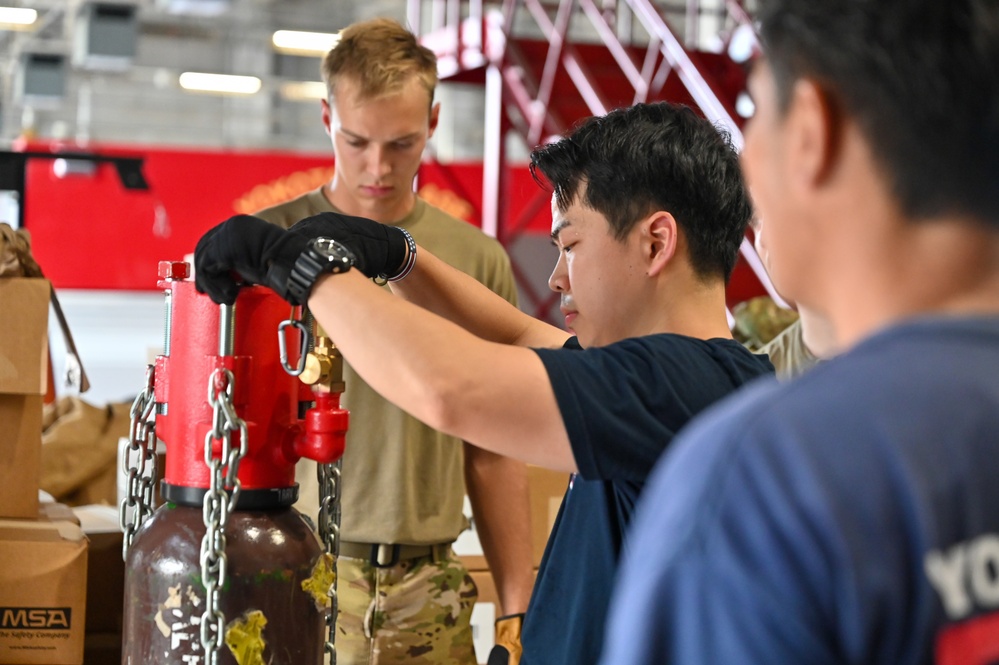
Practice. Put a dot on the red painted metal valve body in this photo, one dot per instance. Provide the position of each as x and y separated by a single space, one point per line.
263 394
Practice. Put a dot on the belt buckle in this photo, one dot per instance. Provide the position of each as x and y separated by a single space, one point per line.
376 558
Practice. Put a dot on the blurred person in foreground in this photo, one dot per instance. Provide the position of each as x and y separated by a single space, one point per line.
850 515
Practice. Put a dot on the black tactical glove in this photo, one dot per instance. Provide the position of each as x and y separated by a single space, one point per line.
380 250
260 252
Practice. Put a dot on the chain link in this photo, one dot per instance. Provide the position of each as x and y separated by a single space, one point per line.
218 505
138 459
329 487
329 532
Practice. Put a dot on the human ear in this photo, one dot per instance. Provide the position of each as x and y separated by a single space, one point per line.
814 128
660 242
327 117
435 111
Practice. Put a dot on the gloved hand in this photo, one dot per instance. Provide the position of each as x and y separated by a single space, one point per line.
508 649
260 252
380 249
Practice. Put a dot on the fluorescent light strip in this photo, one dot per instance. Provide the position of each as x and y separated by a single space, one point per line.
303 91
304 43
226 84
17 16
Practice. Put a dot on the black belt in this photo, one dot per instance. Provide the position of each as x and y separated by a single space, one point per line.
381 555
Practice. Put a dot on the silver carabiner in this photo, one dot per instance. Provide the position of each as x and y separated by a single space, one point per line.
283 346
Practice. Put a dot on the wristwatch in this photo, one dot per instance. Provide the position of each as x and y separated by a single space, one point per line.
321 255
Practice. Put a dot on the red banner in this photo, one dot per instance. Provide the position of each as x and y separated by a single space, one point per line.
90 232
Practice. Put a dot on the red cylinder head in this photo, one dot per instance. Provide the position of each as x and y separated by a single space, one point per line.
264 395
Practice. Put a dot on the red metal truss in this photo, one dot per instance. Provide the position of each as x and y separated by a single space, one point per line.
545 65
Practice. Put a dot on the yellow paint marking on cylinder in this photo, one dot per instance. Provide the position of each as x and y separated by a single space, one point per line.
245 638
318 584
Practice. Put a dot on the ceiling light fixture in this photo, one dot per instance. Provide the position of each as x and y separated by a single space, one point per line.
195 7
17 18
303 91
295 42
225 84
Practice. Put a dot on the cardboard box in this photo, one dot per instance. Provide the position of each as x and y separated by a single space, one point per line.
547 490
52 511
24 348
42 592
20 455
105 574
487 588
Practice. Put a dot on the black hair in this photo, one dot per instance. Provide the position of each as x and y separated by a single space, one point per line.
635 161
921 80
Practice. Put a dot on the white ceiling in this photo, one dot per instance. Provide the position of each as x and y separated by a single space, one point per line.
142 102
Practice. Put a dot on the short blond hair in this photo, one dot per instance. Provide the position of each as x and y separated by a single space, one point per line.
381 56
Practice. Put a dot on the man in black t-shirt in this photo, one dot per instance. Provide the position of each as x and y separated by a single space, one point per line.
648 212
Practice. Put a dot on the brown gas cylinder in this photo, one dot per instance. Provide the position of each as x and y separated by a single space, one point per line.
274 598
221 380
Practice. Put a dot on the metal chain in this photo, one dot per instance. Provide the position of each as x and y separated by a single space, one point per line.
218 505
138 458
329 482
329 532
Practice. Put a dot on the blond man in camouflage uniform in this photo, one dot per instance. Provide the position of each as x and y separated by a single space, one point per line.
404 597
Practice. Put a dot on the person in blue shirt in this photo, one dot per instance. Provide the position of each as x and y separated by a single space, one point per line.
851 515
648 211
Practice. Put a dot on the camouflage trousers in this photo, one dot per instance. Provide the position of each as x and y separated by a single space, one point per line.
417 612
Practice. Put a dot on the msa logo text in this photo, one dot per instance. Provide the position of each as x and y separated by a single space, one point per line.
37 618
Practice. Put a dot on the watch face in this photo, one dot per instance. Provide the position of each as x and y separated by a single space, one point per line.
322 255
326 246
334 251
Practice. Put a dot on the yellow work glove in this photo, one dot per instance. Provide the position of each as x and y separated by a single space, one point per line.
507 650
